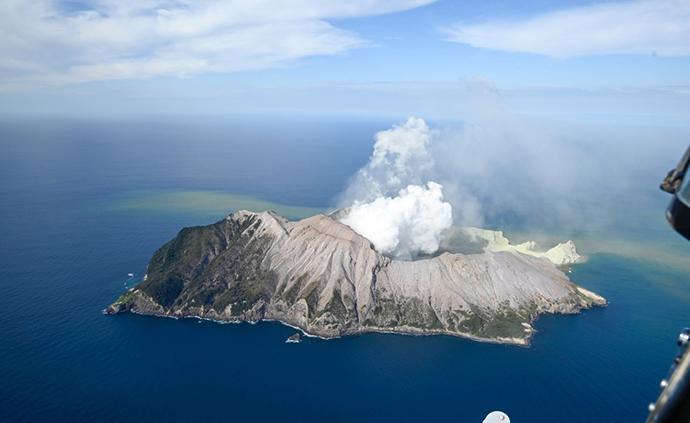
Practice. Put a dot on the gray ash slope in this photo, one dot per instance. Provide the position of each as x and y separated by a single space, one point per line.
319 275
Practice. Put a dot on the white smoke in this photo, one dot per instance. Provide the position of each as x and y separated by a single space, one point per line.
495 167
392 201
405 225
400 158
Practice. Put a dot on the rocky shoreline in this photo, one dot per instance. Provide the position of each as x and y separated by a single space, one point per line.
113 309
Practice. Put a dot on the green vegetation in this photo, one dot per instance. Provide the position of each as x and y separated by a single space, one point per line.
584 297
291 294
420 313
164 290
507 324
473 322
311 296
336 306
242 295
124 298
385 314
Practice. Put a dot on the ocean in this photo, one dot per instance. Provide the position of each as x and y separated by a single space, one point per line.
84 203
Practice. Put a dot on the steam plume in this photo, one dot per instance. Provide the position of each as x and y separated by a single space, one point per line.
405 225
494 168
400 158
391 201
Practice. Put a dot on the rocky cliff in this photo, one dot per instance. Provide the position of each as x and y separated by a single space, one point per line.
319 275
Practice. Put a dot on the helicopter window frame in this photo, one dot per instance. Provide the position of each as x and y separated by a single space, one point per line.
683 193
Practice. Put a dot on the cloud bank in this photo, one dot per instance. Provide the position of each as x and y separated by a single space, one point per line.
660 27
66 42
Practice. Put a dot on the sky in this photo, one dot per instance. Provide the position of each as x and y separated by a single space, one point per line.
395 58
561 104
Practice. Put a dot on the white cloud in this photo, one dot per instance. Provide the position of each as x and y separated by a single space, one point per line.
40 41
660 27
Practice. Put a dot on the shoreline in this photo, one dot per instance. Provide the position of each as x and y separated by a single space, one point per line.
407 331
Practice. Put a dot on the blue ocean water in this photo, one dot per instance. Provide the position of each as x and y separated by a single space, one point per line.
65 255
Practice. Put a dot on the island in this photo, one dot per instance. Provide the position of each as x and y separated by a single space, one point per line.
295 338
322 277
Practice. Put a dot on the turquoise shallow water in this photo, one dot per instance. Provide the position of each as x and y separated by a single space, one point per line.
66 251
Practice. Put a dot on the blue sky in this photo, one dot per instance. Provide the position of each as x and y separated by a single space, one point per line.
366 57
